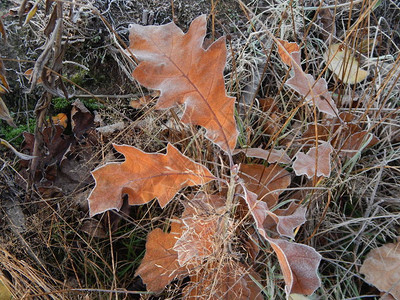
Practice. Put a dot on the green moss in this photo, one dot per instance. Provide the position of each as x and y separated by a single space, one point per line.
92 104
60 104
79 76
15 134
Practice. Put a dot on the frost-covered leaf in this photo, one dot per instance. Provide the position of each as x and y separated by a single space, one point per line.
344 65
160 263
143 177
226 280
285 49
201 219
381 268
299 264
308 164
314 92
287 220
176 64
271 155
267 182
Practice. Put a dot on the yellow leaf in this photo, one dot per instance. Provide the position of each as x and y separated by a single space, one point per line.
4 292
31 13
5 114
344 65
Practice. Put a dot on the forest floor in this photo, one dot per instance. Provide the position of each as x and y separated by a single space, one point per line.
72 95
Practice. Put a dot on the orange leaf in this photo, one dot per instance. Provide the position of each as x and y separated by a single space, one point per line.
267 182
285 49
3 31
271 155
307 164
202 218
381 268
60 119
143 177
288 219
314 92
299 264
224 280
176 64
160 265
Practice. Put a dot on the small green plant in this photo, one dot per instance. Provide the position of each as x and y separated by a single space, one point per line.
14 135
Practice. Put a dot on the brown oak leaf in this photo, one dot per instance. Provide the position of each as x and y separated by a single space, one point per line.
285 49
267 182
176 64
314 91
271 155
143 177
381 268
202 220
160 263
226 280
299 264
307 164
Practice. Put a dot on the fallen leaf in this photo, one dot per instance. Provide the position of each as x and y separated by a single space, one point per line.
307 164
82 119
267 182
271 155
287 222
3 31
314 92
143 177
19 154
5 293
298 297
60 119
31 13
201 219
381 268
5 114
285 49
176 64
160 263
225 280
299 264
258 209
355 142
3 78
343 64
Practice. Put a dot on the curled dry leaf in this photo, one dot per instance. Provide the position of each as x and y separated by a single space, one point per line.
314 91
19 154
5 114
299 264
381 268
288 219
271 155
143 177
176 64
308 164
285 49
160 263
343 64
267 182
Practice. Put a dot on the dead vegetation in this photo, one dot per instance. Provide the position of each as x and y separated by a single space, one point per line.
80 97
